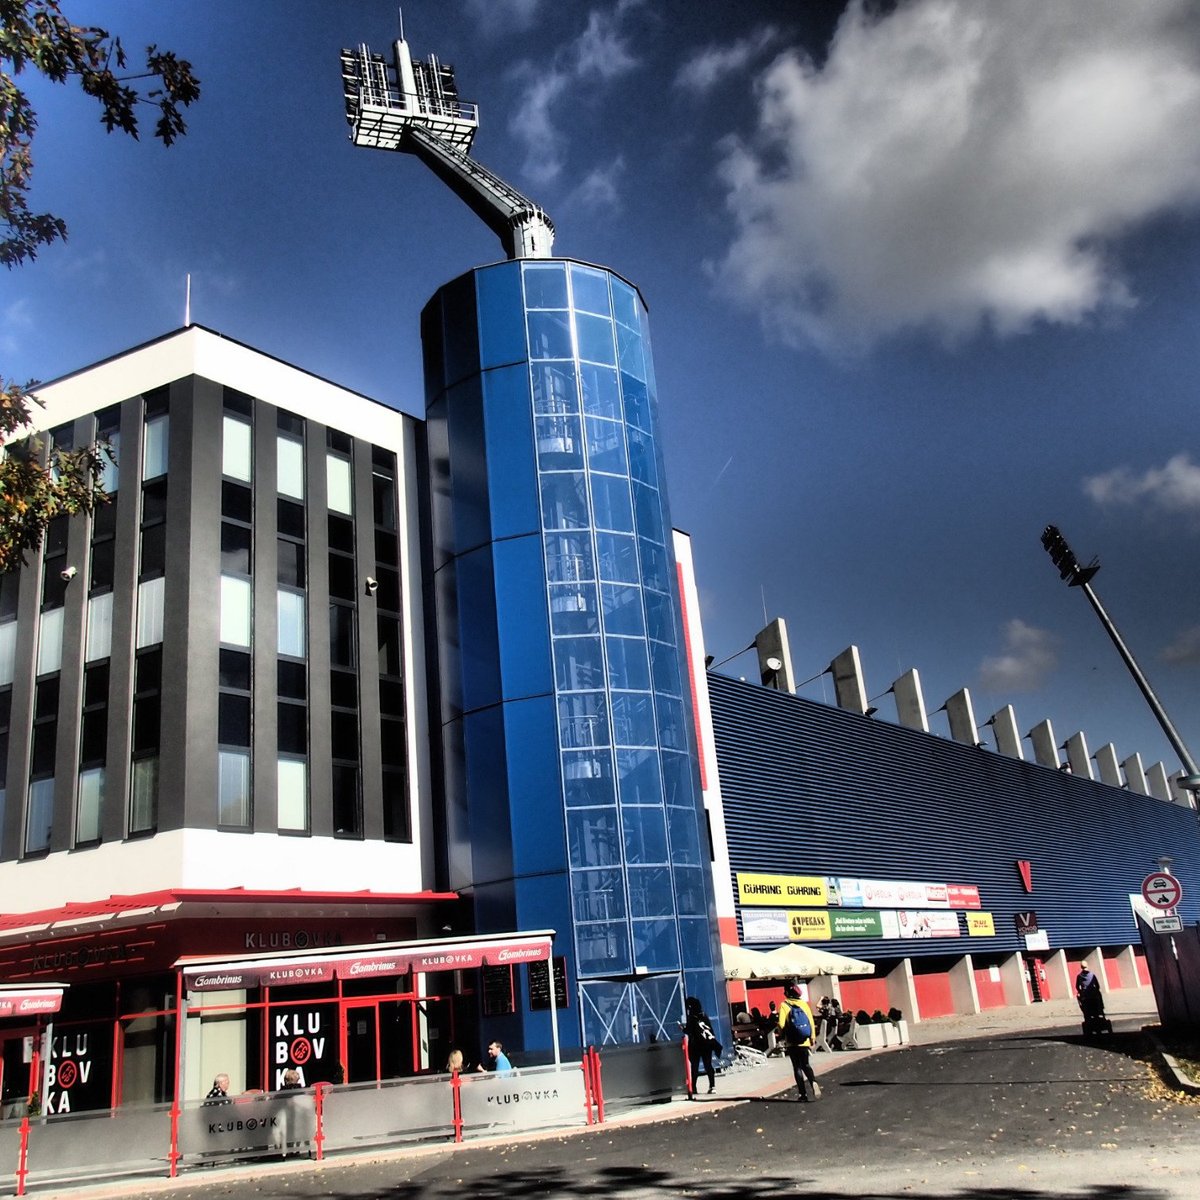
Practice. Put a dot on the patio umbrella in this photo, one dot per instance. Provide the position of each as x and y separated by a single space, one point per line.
744 963
803 962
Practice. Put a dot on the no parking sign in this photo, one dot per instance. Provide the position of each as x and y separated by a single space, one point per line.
1162 891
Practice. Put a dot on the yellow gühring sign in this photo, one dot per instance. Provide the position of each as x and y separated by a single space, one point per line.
782 891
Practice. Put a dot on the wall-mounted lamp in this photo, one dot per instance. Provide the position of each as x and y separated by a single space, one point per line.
68 573
372 585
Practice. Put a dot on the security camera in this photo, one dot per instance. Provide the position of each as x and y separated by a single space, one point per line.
67 574
372 585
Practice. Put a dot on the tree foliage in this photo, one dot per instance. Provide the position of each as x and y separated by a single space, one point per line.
36 37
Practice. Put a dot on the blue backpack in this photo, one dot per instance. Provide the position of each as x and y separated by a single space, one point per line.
799 1027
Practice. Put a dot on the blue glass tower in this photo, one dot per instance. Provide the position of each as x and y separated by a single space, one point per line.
572 795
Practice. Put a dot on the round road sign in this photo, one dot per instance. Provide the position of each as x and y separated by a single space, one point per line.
1162 890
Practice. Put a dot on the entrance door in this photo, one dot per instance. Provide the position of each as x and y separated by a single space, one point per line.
15 1054
362 1042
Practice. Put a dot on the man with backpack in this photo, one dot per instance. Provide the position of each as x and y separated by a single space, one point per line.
796 1030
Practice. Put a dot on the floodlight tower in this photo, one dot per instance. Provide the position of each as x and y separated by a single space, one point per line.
1075 575
413 107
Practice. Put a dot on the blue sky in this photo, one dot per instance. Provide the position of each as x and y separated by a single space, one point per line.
919 284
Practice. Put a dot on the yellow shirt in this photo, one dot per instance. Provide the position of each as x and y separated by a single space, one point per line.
784 1012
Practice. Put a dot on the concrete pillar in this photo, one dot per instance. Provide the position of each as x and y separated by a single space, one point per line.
1004 726
1106 765
1135 775
1157 782
1012 980
772 646
1045 749
1058 976
963 991
824 985
962 718
848 685
1127 968
1077 755
902 991
910 703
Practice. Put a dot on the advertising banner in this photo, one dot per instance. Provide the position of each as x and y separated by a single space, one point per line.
79 1074
856 924
765 925
796 890
809 927
305 1038
913 924
980 924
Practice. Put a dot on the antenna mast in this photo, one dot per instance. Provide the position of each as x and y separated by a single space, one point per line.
413 107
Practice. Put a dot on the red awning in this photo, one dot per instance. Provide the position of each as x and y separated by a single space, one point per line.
30 1001
366 962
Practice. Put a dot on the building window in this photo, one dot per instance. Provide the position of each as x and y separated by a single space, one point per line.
147 724
292 624
108 435
143 804
151 599
338 484
237 605
50 636
39 818
237 442
293 795
154 447
89 806
289 466
234 785
8 652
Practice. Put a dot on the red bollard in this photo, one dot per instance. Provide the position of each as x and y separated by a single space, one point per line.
456 1089
598 1084
173 1155
687 1069
319 1139
23 1157
586 1067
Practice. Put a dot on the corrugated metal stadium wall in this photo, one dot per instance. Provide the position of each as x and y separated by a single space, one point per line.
814 790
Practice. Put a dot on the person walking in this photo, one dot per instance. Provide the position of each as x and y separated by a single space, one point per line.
796 1032
702 1043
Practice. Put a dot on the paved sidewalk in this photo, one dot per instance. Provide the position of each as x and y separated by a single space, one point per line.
1130 1009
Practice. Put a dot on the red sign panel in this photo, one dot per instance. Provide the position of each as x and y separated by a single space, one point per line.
963 895
31 1003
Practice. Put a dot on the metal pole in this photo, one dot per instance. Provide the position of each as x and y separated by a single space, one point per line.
1185 757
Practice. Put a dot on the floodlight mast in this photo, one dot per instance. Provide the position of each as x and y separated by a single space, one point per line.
1078 576
413 107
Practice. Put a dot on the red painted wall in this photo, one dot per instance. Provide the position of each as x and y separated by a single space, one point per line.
868 994
933 995
1143 972
991 991
1111 972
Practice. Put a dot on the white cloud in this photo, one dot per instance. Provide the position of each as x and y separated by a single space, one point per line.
16 319
1029 656
1174 487
702 72
599 54
502 16
599 190
1185 649
957 165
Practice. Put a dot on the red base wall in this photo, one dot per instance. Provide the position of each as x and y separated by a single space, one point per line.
991 991
933 995
868 994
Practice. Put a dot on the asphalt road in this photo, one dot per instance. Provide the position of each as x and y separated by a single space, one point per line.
1034 1116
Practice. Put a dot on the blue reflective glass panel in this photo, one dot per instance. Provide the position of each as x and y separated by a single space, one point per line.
656 568
606 446
589 290
501 335
660 616
672 731
564 501
666 669
559 443
569 557
623 610
694 939
598 895
684 837
595 338
578 664
655 945
690 897
638 778
545 285
582 720
629 353
633 719
642 464
549 335
645 835
626 306
649 513
679 780
603 949
587 777
650 892
601 396
592 837
554 390
573 608
612 507
628 668
637 401
616 557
